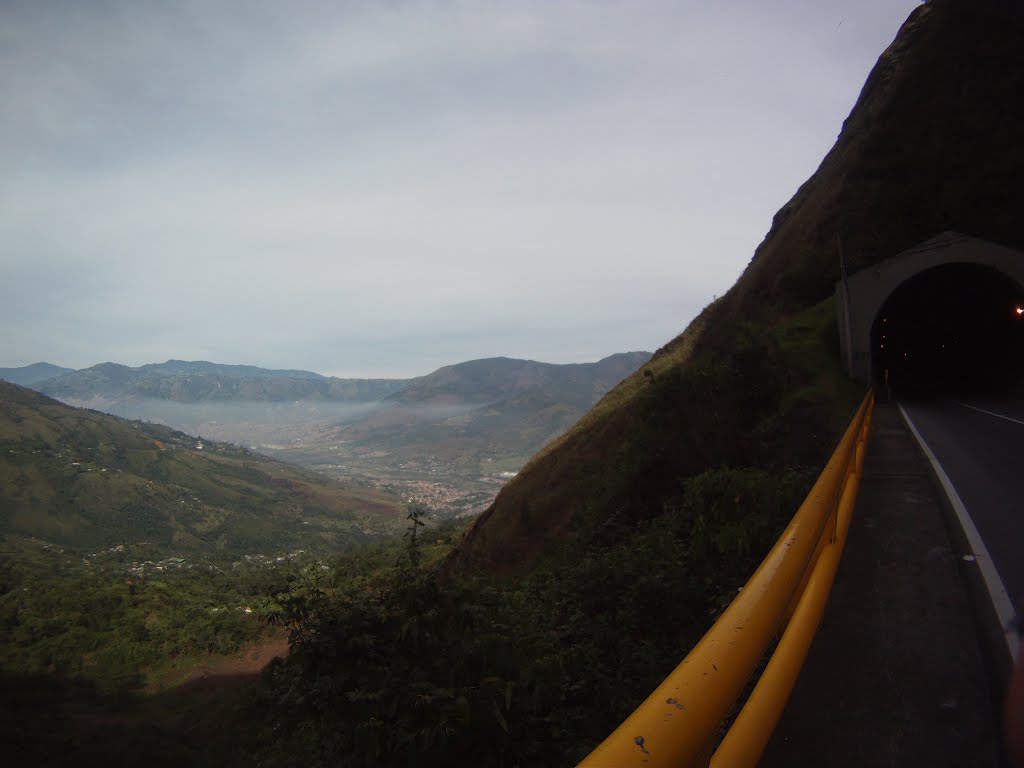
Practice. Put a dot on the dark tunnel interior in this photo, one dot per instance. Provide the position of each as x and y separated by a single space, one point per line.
955 330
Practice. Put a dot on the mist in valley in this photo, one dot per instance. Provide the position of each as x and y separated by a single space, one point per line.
276 426
253 424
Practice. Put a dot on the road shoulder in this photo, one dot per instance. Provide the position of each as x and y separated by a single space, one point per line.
896 675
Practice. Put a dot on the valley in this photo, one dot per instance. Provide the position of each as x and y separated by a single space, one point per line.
461 565
138 548
447 440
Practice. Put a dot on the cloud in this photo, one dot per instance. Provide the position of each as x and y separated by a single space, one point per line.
396 186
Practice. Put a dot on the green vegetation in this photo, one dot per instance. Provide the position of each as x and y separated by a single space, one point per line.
84 479
396 667
626 537
96 618
100 651
129 553
389 664
465 421
740 386
673 355
774 397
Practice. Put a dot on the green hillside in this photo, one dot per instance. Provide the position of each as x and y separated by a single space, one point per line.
931 145
79 478
461 425
503 378
627 535
465 422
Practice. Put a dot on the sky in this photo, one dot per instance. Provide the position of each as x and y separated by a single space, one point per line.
377 189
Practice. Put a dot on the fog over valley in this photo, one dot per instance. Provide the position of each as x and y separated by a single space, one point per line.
252 423
447 440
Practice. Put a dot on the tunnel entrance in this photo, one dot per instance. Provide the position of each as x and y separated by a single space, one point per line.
955 330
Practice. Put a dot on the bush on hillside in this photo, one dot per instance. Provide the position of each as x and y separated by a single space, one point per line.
405 670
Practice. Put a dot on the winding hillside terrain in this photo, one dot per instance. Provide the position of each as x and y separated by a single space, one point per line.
80 478
932 144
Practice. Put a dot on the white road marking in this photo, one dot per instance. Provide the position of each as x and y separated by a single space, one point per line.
993 583
990 413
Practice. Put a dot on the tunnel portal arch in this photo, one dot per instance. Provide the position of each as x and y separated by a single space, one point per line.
985 273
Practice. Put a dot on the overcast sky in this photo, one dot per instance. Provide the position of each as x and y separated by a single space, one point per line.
382 188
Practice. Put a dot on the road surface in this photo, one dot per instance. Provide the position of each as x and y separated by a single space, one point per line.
980 448
897 674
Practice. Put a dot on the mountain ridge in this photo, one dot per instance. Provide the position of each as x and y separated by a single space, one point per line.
469 421
463 426
197 381
27 375
82 478
495 378
930 145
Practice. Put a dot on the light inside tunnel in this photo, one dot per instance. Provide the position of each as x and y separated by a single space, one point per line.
947 332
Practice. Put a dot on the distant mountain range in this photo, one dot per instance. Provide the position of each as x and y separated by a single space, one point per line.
499 379
931 145
476 381
470 420
30 375
80 478
193 382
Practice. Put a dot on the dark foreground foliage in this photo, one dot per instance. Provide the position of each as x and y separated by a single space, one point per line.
400 668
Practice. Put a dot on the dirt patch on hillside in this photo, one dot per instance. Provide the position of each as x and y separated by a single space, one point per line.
203 710
217 672
250 660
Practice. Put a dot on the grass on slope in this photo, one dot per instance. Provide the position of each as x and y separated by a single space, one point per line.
81 478
671 356
776 397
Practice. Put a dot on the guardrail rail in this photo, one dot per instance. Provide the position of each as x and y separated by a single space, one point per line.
678 725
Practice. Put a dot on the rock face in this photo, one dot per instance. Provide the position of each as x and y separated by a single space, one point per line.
932 144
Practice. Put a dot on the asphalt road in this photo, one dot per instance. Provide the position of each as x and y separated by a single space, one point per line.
897 674
980 446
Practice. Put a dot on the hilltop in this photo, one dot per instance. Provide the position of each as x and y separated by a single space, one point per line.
501 378
30 375
465 423
932 144
460 429
200 381
80 478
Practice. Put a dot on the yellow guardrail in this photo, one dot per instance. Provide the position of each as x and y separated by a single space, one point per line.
678 725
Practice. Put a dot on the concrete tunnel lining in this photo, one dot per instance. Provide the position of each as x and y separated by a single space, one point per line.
862 296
